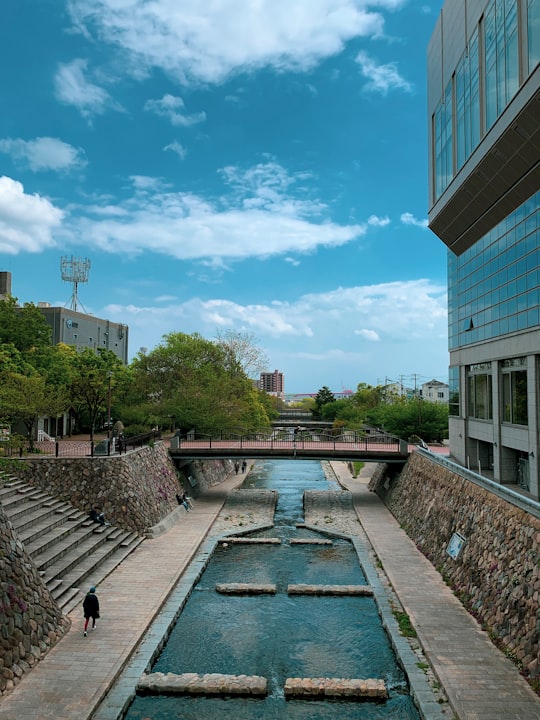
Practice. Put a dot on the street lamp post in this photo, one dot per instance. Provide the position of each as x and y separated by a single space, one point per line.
109 408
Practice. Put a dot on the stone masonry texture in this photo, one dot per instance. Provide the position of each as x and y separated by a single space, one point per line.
497 573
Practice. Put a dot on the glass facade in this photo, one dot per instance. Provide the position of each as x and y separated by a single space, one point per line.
514 391
533 23
496 69
453 390
480 392
501 56
494 287
467 91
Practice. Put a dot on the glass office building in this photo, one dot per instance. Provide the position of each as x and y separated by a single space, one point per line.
484 193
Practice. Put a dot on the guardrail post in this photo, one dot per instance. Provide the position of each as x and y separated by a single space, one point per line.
56 444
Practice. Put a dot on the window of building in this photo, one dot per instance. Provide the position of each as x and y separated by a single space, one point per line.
453 390
533 21
467 90
501 56
514 391
480 393
442 134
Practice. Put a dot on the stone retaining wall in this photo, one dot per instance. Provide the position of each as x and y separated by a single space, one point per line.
30 620
135 491
497 572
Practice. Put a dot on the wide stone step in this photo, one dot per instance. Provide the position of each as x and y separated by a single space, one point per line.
23 498
10 488
93 568
202 684
343 688
251 541
246 589
55 532
60 558
25 514
70 520
329 590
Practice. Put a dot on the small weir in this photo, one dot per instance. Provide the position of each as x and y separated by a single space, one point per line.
280 624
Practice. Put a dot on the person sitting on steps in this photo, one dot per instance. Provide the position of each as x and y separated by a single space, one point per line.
97 517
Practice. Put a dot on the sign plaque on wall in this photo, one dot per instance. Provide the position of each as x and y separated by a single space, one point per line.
455 545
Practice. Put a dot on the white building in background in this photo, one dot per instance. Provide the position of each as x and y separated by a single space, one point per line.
435 391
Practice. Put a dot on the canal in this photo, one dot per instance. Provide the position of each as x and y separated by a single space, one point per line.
280 636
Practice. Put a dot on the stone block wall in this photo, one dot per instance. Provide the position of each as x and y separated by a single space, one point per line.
497 572
30 620
135 491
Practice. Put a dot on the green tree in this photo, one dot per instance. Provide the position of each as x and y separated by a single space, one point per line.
322 398
408 418
26 397
195 383
23 327
92 381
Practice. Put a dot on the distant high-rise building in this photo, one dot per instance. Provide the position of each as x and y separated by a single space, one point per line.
272 383
484 189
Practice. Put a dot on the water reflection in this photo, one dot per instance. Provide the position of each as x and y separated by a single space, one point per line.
280 636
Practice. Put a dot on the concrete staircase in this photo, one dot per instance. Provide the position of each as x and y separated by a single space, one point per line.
70 551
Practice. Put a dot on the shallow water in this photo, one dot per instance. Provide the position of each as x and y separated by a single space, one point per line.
280 636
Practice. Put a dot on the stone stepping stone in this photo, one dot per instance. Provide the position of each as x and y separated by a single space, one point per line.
202 684
329 590
300 541
251 541
245 589
343 688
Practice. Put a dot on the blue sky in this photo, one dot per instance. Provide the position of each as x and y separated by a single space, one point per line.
230 165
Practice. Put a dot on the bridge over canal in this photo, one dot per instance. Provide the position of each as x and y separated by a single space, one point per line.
307 445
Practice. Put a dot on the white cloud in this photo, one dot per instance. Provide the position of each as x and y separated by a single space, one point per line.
209 42
410 317
169 107
177 148
27 222
371 335
258 217
73 88
409 219
378 221
382 78
44 153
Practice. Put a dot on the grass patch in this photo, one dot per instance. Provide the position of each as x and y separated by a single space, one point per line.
405 625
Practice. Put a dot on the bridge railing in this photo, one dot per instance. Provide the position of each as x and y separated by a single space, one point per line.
275 439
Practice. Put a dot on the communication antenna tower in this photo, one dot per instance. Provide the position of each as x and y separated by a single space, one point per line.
75 270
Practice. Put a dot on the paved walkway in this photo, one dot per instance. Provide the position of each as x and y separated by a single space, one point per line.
480 682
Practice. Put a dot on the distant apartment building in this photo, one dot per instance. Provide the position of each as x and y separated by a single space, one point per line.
272 383
484 189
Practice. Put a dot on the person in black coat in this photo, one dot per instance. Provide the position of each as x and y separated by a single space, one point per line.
90 609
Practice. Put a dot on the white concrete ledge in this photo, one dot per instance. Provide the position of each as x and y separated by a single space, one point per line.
329 590
343 688
299 541
206 684
245 589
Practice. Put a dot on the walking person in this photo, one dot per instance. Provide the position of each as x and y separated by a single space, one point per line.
244 465
90 609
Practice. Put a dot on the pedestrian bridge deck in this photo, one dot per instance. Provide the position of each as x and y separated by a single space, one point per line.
348 446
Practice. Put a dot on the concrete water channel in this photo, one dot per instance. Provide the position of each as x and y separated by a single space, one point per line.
279 637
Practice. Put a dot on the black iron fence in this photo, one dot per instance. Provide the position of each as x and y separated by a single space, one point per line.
80 448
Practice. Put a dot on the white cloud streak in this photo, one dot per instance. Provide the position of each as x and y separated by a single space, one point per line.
408 218
73 88
209 42
44 153
382 78
170 107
